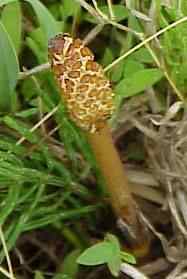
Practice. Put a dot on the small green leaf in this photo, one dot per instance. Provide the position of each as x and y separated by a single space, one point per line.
47 21
137 82
9 69
114 265
11 19
120 13
114 262
113 240
97 254
129 258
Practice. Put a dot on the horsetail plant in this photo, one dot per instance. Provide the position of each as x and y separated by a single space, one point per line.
89 101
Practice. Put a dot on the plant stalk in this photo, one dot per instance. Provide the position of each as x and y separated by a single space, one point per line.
119 190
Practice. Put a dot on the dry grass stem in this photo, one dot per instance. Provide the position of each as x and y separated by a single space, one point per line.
6 273
147 40
112 16
33 71
11 273
112 22
38 124
178 270
132 271
147 193
155 267
167 160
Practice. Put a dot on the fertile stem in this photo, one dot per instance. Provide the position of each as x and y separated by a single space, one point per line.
114 174
118 188
89 100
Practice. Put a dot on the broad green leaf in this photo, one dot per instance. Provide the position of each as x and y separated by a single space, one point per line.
11 19
184 7
132 66
47 21
142 55
4 2
119 11
69 8
9 69
138 82
117 72
97 254
129 258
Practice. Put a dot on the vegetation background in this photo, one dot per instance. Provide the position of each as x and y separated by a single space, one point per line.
52 202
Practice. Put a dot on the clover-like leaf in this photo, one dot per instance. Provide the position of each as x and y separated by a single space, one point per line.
99 253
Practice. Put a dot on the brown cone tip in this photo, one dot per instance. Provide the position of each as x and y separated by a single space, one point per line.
86 90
